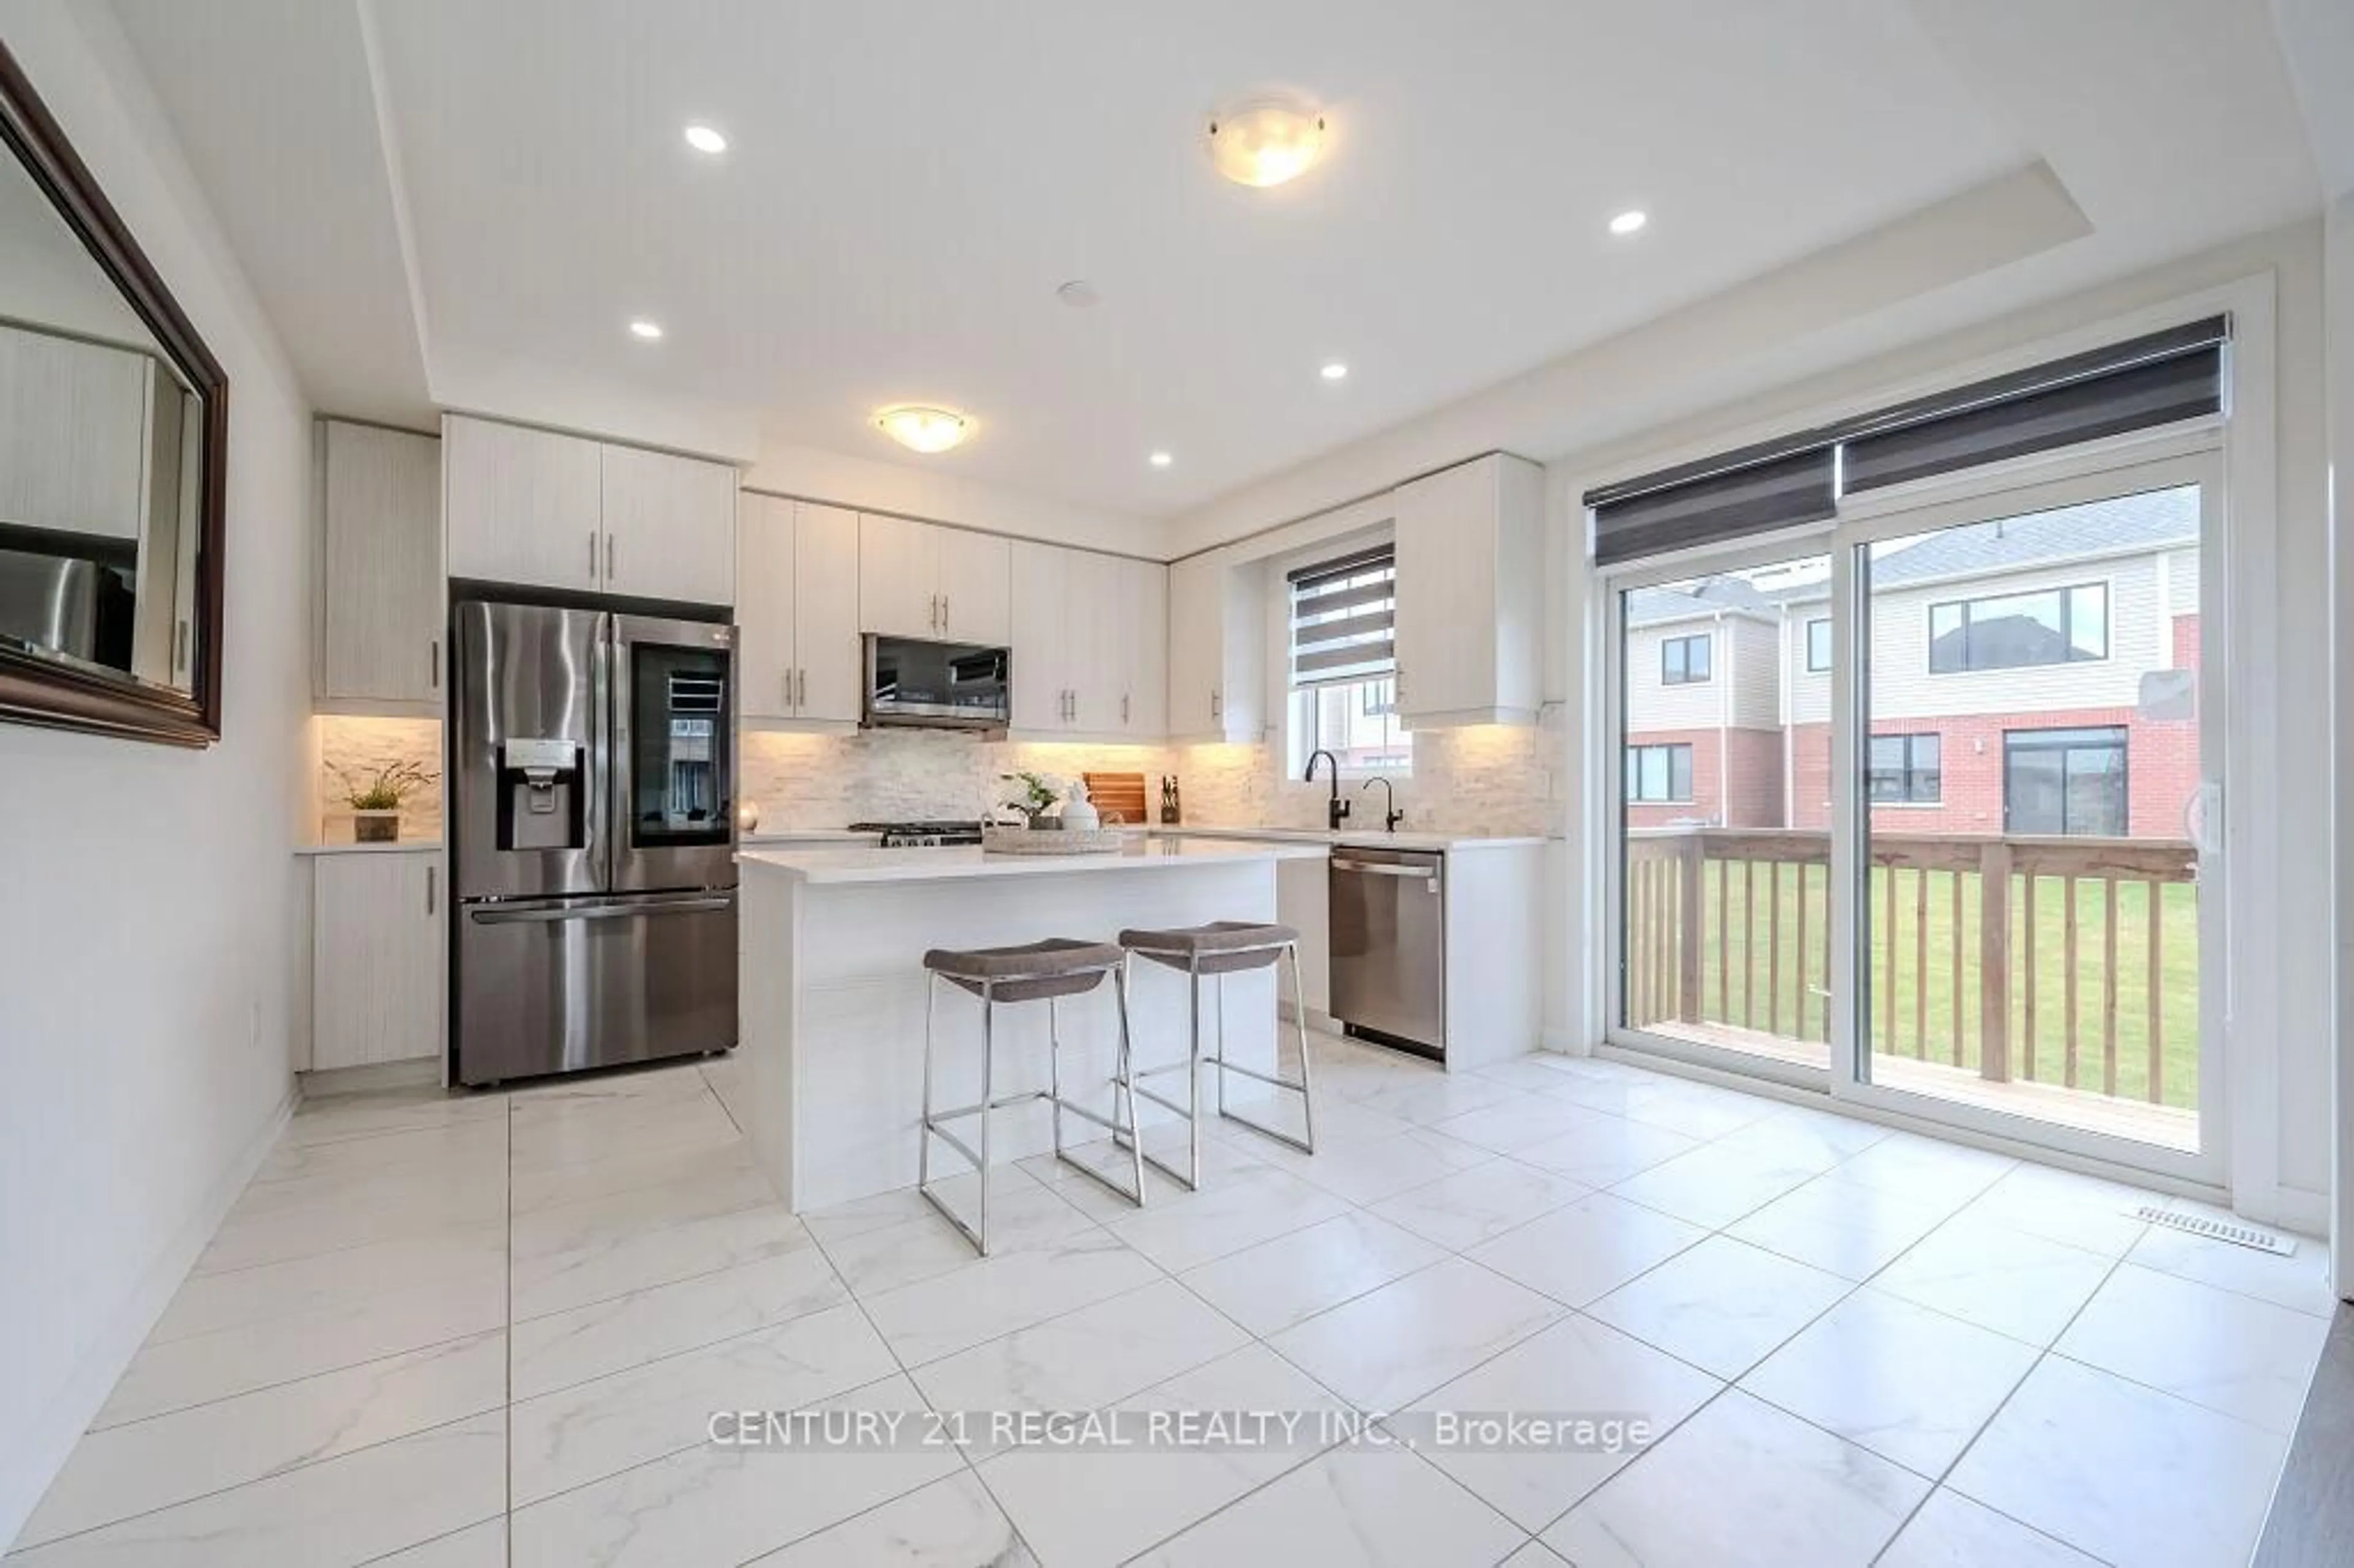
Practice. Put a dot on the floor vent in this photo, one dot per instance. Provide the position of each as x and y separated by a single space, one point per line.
2217 1230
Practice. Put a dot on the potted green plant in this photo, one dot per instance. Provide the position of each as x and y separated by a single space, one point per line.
374 796
1035 799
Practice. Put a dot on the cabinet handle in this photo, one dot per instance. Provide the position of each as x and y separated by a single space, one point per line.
944 613
432 889
592 555
800 689
789 688
608 559
1123 707
433 648
1217 704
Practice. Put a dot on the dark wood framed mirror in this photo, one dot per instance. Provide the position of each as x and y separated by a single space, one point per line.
113 460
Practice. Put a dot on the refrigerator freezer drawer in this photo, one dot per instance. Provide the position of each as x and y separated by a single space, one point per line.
556 987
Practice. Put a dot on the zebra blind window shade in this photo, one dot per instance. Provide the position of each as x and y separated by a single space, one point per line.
1344 620
2156 379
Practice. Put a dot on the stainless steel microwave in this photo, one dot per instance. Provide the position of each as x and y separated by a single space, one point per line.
937 685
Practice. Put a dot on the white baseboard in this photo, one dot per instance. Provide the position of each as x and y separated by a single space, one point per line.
417 1072
26 1474
1563 1041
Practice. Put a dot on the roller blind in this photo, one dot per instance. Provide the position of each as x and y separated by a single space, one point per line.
2139 383
1344 619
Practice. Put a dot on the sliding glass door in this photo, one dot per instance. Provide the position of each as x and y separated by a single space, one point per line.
1912 810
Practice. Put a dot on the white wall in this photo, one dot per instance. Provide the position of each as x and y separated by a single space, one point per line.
148 915
2340 403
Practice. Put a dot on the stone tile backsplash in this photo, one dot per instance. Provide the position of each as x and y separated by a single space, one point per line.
357 747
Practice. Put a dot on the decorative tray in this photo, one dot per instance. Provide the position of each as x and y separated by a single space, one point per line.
995 839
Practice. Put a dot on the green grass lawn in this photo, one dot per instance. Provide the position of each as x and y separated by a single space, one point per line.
1801 1009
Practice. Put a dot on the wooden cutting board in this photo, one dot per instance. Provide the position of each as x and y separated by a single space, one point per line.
1119 798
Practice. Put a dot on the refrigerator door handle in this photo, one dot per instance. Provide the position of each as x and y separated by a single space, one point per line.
629 911
604 683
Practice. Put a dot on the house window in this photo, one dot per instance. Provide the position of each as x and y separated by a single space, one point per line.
1818 645
1658 775
1343 664
1683 661
1904 770
2064 781
2015 630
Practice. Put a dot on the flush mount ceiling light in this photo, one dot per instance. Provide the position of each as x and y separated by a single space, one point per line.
645 329
920 429
1160 459
1627 223
1334 370
704 139
1265 141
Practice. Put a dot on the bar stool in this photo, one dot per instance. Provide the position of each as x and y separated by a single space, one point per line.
1044 972
1220 948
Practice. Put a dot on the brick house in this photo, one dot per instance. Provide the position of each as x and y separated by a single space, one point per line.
2007 664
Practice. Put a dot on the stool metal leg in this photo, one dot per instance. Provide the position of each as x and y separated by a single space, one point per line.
1127 1086
923 1138
988 1071
1305 1144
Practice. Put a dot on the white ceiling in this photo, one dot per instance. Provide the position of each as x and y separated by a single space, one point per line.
909 183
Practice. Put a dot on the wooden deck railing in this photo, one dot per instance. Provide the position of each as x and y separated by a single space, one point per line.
1730 926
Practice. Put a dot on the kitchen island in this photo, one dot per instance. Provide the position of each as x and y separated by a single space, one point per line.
833 991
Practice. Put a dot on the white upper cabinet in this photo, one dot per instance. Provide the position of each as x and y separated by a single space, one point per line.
381 574
943 584
74 439
522 505
1089 637
1217 651
670 526
1471 595
1041 639
797 629
1145 594
545 510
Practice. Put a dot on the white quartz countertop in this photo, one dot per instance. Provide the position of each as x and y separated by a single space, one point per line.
755 839
399 846
959 863
1358 838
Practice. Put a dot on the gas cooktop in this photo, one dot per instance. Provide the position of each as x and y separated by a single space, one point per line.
921 834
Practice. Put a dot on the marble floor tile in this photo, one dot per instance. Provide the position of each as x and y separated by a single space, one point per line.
1578 1368
1223 1161
404 1110
2212 1347
595 1429
596 1132
1238 1211
1396 1344
1084 1359
1101 1506
341 1511
1801 1135
1840 1226
1609 1150
1535 1555
2126 1473
1021 1219
1430 1100
1269 1288
1339 1124
951 1523
205 1367
1910 1385
657 1257
1980 1272
1722 1305
1472 1206
1915 1167
332 1281
1355 1506
1519 1123
334 1223
627 1169
1713 1186
1381 1167
147 1465
423 1152
1695 1109
1003 1293
1536 1071
614 1218
2064 1206
707 1504
881 1211
482 1546
1584 1250
2299 1281
476 1173
1951 1531
1741 1482
569 1347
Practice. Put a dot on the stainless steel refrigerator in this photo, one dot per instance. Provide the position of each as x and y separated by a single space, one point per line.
592 839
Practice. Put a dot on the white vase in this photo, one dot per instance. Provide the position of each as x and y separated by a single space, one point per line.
1079 813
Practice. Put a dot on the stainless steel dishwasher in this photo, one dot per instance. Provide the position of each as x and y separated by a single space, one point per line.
1389 946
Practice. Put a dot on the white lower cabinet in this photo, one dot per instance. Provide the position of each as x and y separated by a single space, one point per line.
378 921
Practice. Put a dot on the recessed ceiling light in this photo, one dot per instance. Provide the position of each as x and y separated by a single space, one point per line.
645 329
704 139
1265 141
1160 459
921 428
1628 222
1334 371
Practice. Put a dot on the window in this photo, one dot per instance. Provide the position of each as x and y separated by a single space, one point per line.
1658 775
1818 645
1345 662
2070 781
1903 771
1683 661
2011 631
